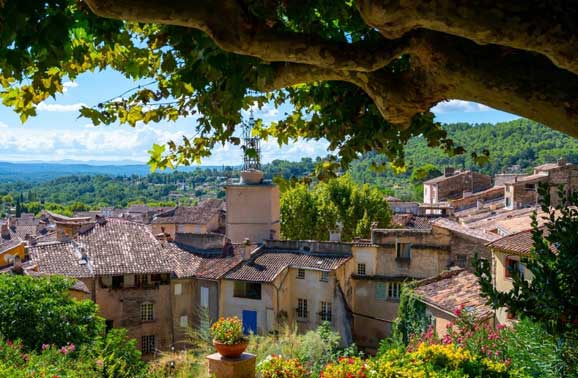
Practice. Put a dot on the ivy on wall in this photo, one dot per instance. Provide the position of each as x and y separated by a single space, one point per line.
411 316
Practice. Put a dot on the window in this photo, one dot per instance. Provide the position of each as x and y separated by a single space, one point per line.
394 289
461 260
178 289
530 187
513 264
301 274
326 311
380 291
181 228
141 280
147 312
324 277
109 324
403 250
249 290
204 297
302 309
361 269
117 282
148 344
184 321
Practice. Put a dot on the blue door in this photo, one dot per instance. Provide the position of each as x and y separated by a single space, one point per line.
249 322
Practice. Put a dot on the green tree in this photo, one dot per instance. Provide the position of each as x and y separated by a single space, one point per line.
299 214
338 203
361 74
550 297
424 173
40 310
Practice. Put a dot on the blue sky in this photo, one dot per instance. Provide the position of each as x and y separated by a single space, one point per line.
57 133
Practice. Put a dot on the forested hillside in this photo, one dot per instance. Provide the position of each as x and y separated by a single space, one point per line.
520 142
101 190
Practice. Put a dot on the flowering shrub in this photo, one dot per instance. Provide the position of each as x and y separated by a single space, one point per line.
277 367
227 330
346 367
478 339
436 361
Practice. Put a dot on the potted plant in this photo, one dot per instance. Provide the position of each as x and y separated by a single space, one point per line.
228 337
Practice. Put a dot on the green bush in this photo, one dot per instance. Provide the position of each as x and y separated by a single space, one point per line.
40 310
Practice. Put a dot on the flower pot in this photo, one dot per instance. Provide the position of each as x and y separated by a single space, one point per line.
231 350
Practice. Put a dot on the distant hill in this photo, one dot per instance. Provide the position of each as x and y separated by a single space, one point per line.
38 171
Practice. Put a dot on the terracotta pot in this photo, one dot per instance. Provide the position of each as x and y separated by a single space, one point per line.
231 350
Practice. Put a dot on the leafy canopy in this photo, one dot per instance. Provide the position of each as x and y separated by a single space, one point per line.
40 310
181 72
336 205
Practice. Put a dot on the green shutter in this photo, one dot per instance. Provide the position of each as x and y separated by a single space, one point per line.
380 291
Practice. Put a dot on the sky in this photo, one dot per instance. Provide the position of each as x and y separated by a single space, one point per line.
57 133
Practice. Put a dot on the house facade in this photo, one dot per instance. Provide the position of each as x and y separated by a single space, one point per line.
453 185
507 253
207 217
294 282
140 283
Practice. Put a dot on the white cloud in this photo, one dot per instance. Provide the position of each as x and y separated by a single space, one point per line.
124 143
60 108
459 106
3 125
67 85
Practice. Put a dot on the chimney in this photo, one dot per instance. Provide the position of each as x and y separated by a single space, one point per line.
228 249
245 252
17 265
4 231
449 171
562 162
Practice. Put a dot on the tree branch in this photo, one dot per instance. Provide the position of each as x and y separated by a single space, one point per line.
534 25
226 23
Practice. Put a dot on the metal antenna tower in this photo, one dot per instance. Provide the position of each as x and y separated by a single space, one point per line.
251 146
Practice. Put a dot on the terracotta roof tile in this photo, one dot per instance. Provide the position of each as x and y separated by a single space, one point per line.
200 214
518 243
461 229
115 247
411 221
453 289
265 265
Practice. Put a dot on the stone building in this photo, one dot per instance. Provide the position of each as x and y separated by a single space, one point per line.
294 282
11 246
453 185
506 254
253 210
208 216
392 257
523 190
130 276
456 289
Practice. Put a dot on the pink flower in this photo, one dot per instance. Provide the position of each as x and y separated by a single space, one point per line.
500 326
45 346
